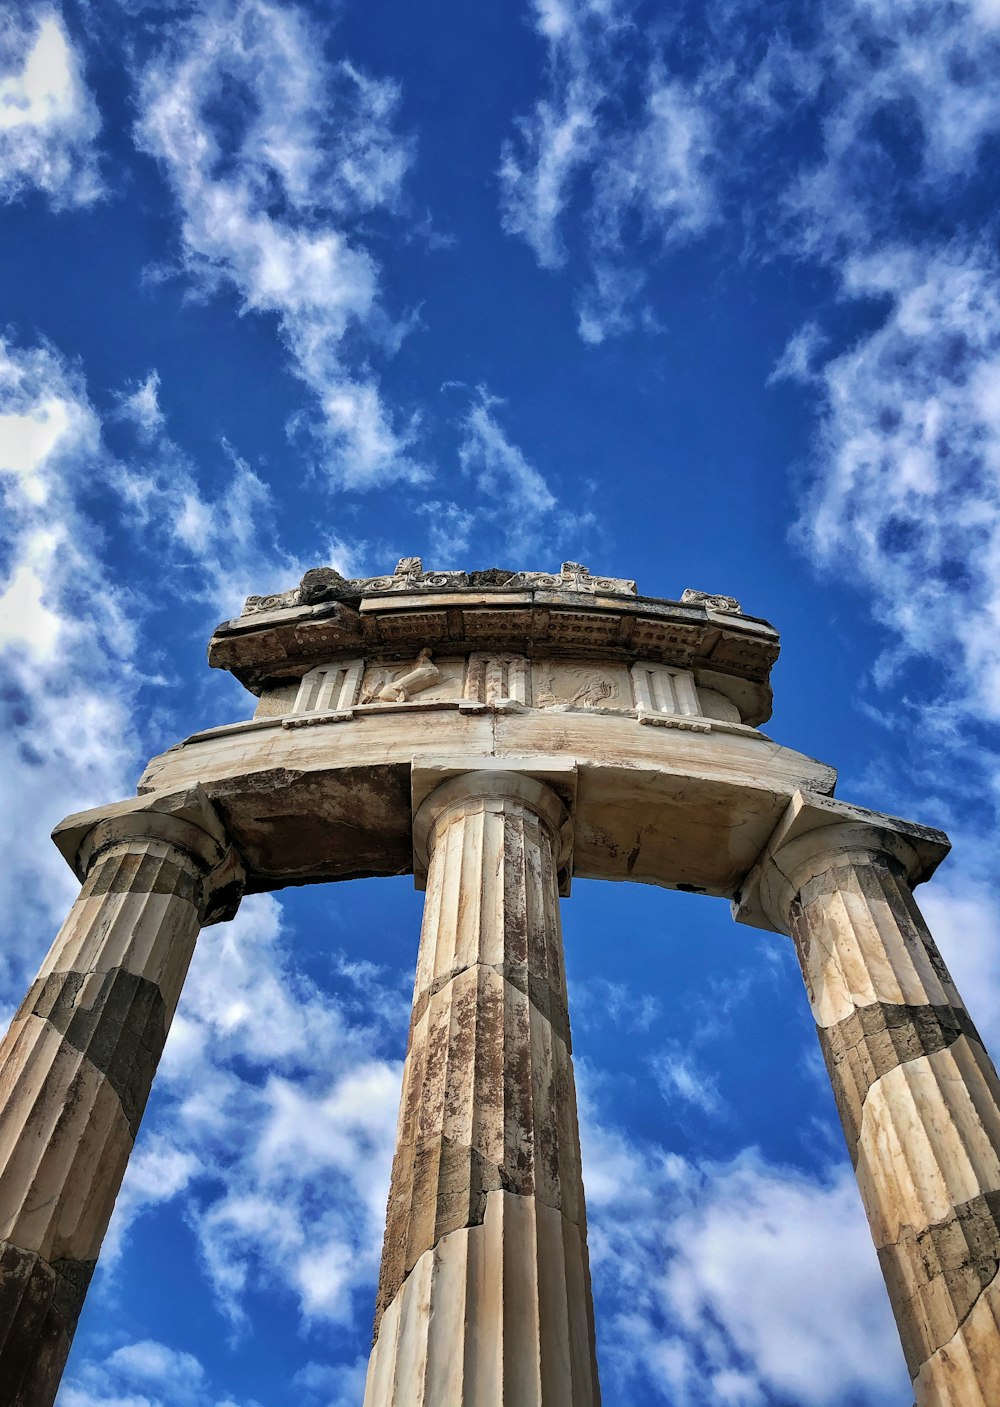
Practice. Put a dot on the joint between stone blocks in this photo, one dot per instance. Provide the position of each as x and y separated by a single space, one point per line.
519 778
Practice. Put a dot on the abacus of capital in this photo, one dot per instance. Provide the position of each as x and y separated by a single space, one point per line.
495 733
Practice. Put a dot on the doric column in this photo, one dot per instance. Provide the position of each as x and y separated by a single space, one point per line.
484 1295
918 1096
77 1063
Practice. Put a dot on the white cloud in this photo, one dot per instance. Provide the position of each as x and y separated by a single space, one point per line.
144 1373
736 1282
66 642
74 647
578 150
273 154
274 1123
142 406
646 137
606 304
48 119
680 1077
515 506
340 1386
561 135
661 168
221 546
908 99
907 482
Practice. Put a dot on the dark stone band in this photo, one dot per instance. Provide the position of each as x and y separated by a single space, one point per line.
964 1252
129 872
121 1033
874 1039
39 1306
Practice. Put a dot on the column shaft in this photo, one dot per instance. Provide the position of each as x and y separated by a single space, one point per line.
920 1105
484 1294
76 1068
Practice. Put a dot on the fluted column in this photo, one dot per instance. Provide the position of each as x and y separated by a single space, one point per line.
77 1063
484 1294
918 1096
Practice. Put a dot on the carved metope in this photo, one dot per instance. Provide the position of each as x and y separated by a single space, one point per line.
917 1094
77 1064
484 1294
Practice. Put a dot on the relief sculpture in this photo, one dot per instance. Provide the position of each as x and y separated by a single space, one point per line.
595 693
578 686
423 675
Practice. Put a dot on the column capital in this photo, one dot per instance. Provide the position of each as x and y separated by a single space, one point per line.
185 820
814 834
546 786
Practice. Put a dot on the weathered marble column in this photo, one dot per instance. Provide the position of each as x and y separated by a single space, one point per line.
77 1063
484 1296
918 1096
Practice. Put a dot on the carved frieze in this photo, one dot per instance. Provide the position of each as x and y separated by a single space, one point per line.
423 676
571 684
425 679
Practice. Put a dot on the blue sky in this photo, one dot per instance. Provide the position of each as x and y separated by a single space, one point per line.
706 295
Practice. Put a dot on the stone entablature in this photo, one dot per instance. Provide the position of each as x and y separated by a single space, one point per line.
649 692
541 617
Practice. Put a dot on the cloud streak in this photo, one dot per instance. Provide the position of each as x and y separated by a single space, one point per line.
273 155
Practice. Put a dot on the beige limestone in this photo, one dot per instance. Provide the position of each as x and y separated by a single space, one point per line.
484 1291
658 806
917 1093
483 1318
78 1061
965 1371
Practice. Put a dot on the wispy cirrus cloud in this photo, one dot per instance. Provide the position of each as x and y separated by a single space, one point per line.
629 179
274 155
645 138
558 138
514 509
48 118
906 485
67 639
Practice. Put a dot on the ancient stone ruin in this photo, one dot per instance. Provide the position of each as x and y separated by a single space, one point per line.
496 733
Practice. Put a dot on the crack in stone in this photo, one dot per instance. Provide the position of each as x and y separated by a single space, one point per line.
878 1038
963 1251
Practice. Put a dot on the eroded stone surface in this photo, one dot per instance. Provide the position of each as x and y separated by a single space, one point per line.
487 1120
39 1307
495 1315
75 1072
917 1093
